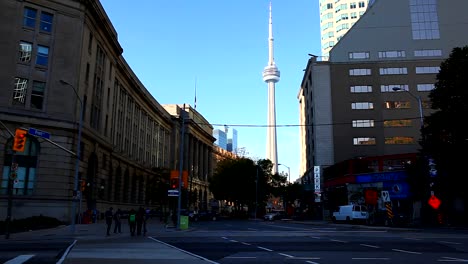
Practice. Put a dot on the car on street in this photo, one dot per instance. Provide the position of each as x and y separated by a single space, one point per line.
275 215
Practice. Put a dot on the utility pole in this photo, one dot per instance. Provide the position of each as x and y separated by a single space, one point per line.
181 164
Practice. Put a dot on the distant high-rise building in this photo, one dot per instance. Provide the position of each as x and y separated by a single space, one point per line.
221 138
232 141
336 18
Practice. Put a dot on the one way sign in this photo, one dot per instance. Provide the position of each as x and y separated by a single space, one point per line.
385 196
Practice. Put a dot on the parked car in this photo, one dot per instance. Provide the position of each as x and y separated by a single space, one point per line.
351 213
205 216
275 215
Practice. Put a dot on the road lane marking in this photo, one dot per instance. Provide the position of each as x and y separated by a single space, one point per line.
224 238
315 237
65 254
372 246
311 262
405 251
306 258
232 240
267 249
340 241
19 259
453 259
185 251
448 242
412 238
240 257
253 229
286 255
247 244
370 258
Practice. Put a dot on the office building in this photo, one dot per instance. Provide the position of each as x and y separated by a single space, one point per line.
336 18
221 138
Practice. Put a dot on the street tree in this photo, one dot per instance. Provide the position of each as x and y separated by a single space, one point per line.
445 134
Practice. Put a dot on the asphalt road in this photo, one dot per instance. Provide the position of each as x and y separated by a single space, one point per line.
32 252
286 242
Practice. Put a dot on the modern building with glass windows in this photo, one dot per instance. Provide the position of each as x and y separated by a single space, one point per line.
221 138
336 18
370 98
232 141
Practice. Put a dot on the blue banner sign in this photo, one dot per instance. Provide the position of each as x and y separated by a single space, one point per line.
381 176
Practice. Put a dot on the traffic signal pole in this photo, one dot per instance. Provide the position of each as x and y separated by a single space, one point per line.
181 164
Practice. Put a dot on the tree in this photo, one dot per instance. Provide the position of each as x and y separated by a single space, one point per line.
445 135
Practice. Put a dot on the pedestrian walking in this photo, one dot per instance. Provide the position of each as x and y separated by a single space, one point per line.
139 220
117 221
109 216
132 221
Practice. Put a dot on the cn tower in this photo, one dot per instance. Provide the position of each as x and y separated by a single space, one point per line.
271 75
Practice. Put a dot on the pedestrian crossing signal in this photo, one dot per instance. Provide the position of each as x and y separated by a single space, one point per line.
174 183
19 142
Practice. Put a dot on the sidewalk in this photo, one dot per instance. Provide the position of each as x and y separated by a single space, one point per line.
89 244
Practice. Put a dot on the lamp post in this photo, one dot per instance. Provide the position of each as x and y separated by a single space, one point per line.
418 98
256 192
77 158
289 172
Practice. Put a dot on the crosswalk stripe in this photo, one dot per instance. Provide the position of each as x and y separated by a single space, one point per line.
19 259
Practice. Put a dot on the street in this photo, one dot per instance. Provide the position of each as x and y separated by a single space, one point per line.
285 242
240 241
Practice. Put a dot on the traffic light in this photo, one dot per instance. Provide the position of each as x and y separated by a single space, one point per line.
174 183
83 185
20 140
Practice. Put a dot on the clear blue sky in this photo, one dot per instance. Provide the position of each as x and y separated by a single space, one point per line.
222 47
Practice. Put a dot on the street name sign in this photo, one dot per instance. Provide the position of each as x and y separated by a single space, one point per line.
38 133
172 192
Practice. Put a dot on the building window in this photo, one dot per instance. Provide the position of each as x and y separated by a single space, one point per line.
397 105
392 54
398 123
46 22
87 73
37 94
363 123
428 53
25 50
390 88
353 15
362 105
362 4
42 55
90 42
358 141
399 140
424 19
359 72
359 55
352 5
29 17
425 87
361 89
426 70
391 71
19 91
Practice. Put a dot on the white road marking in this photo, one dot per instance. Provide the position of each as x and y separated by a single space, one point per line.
224 237
66 252
412 238
311 262
453 259
286 255
315 237
247 244
404 251
241 257
253 229
372 246
19 259
370 258
185 251
306 258
448 242
267 249
340 241
232 240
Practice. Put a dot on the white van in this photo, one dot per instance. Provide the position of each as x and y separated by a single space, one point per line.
350 213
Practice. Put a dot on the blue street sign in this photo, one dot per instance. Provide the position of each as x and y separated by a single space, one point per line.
38 133
172 192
